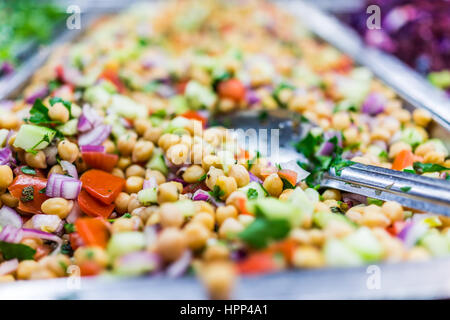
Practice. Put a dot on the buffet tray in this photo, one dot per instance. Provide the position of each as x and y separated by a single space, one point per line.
405 280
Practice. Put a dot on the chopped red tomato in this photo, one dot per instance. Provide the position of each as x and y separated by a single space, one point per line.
288 175
259 262
112 75
396 227
92 207
242 203
90 268
404 158
192 187
286 247
29 203
100 160
195 116
93 231
75 240
102 185
232 89
181 86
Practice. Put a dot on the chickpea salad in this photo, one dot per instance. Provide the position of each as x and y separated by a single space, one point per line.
111 160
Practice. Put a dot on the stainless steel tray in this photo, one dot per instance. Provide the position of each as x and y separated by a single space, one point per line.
427 280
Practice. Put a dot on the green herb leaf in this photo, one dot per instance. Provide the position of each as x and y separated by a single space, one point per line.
202 178
66 104
127 215
69 227
45 138
428 167
261 231
336 210
216 193
28 170
374 201
16 251
252 194
405 189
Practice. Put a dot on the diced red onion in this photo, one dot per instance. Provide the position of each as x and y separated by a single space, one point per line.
39 234
38 94
89 148
176 179
8 267
11 234
96 136
251 97
326 148
59 185
50 155
150 183
181 171
43 221
6 104
201 195
9 216
69 168
83 124
89 119
6 69
6 157
180 266
254 178
381 144
74 214
374 104
411 233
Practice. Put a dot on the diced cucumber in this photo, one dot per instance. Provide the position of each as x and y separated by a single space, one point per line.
127 107
118 130
256 186
411 136
322 219
186 207
199 96
69 128
147 196
157 162
179 104
435 243
439 146
125 242
3 136
31 136
97 95
337 254
136 263
177 125
365 244
313 195
274 209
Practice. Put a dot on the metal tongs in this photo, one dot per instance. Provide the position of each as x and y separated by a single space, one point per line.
410 190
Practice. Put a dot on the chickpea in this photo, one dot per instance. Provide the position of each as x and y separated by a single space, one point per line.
240 174
6 176
144 212
178 154
57 264
393 210
216 252
421 117
9 200
167 140
91 253
308 257
398 146
219 278
424 149
373 217
8 120
225 212
134 184
121 202
331 194
354 215
110 147
37 160
434 157
337 229
170 215
123 162
159 177
362 160
153 134
210 161
55 169
418 254
203 206
230 228
380 133
341 120
141 126
133 203
142 151
123 225
211 177
118 173
351 135
171 244
41 273
284 196
167 192
135 170
58 112
126 143
68 151
402 115
32 242
206 219
57 206
227 185
25 268
273 184
193 174
196 235
234 199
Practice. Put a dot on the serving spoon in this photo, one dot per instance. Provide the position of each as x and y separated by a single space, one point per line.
282 128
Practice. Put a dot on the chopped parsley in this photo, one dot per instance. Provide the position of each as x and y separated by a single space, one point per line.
27 194
127 215
405 189
66 104
252 194
262 230
374 201
16 251
428 167
276 93
336 210
28 170
45 138
202 178
69 227
216 193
